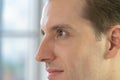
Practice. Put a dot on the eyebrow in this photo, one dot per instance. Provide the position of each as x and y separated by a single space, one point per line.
61 26
58 26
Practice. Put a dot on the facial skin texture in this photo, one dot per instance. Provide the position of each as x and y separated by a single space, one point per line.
69 43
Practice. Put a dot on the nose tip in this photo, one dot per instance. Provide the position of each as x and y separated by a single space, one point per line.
45 52
40 58
40 55
37 58
44 57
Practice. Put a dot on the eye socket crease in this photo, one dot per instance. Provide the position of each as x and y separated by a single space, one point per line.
61 26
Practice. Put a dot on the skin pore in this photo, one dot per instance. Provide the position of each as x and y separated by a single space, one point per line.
69 45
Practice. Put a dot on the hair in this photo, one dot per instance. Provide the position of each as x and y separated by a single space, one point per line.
103 14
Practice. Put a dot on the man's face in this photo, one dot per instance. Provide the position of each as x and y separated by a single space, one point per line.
69 46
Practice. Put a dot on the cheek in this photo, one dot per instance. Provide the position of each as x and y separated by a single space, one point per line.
67 56
90 62
72 59
82 61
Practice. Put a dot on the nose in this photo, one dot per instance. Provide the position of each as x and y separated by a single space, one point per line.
45 51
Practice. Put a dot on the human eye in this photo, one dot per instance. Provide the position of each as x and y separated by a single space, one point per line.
42 34
61 33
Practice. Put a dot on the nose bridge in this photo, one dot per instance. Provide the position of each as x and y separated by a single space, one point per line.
45 52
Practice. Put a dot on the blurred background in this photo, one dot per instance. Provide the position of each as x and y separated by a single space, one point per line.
19 40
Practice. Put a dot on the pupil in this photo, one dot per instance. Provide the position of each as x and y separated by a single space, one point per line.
62 33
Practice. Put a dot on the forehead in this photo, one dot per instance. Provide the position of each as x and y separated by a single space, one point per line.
60 11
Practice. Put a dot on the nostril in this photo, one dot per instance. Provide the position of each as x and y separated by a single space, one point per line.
44 60
40 59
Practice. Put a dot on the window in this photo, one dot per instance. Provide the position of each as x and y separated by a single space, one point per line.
19 40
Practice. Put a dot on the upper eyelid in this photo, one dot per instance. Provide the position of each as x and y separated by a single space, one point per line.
60 29
57 31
